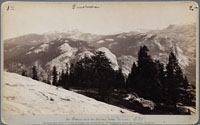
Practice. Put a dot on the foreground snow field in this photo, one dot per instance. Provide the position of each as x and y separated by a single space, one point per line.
23 95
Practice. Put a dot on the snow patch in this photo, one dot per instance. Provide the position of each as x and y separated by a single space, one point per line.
66 41
28 53
100 41
145 103
42 48
159 46
179 49
121 36
34 41
111 44
183 60
31 48
25 96
110 40
65 47
85 54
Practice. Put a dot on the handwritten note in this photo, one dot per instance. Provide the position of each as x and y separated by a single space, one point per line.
74 6
120 120
10 8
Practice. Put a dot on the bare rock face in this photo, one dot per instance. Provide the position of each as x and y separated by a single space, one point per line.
85 54
126 62
110 56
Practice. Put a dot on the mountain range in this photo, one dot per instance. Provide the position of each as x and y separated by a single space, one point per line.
58 48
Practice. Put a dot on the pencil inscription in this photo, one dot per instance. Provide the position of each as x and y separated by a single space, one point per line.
74 6
10 8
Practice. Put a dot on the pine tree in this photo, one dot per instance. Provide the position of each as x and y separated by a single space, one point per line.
48 82
66 81
155 80
144 71
143 57
161 71
131 80
103 71
54 73
144 79
66 77
119 79
185 83
160 75
174 80
34 71
24 72
79 73
61 81
71 76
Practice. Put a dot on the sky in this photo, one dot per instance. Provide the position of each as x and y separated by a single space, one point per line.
19 18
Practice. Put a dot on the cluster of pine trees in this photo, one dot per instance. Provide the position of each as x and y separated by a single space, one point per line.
149 78
152 80
91 72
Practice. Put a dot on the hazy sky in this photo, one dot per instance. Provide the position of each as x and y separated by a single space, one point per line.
32 17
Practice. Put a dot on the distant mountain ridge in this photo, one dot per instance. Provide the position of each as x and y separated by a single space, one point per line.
58 48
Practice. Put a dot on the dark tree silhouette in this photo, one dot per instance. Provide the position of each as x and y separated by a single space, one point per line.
162 75
24 72
152 81
131 80
185 83
65 77
61 81
171 78
102 70
176 84
54 73
35 75
96 72
119 79
72 76
144 78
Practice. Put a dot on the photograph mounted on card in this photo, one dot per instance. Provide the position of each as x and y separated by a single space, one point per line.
100 62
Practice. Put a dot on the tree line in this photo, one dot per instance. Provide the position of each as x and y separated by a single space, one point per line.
149 78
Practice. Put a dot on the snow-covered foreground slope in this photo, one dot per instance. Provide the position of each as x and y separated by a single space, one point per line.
23 95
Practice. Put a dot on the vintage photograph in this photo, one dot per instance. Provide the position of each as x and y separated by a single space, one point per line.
99 58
